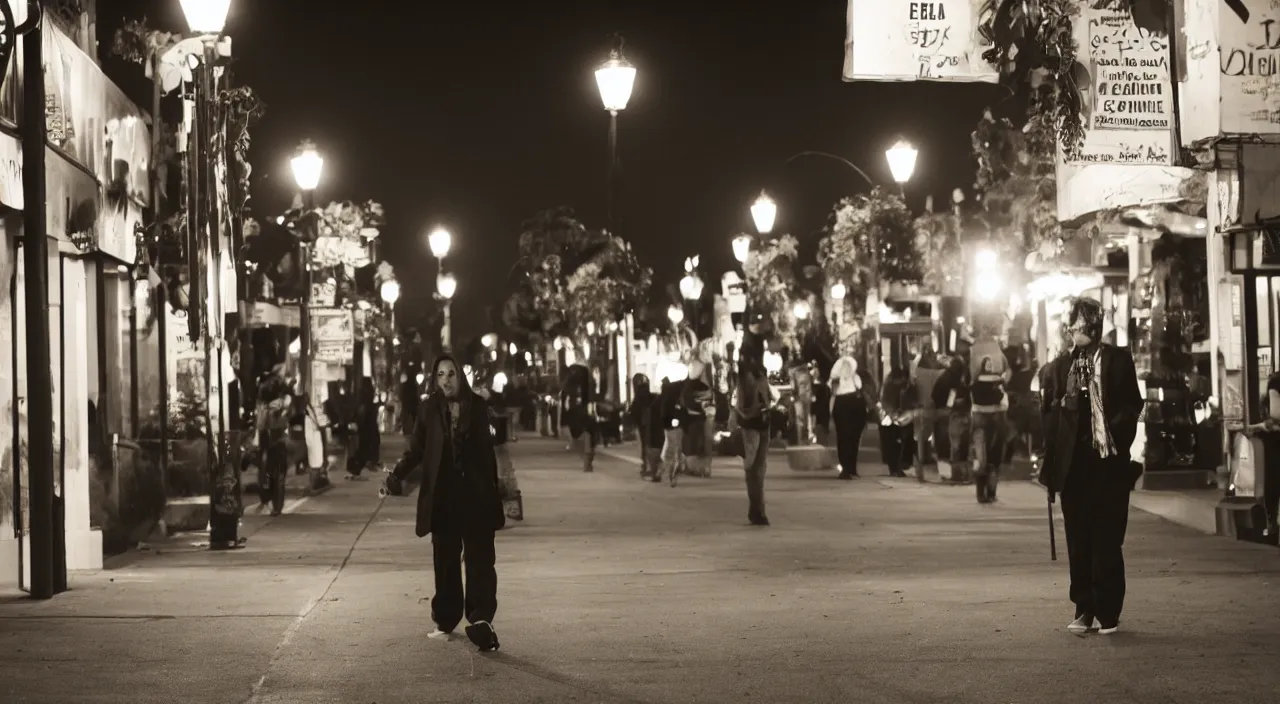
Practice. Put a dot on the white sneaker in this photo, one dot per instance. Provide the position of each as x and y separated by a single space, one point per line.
1097 626
1084 624
438 634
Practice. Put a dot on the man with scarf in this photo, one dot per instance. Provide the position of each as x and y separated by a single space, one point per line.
459 502
1091 406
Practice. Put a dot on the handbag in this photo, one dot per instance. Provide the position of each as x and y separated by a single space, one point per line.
513 506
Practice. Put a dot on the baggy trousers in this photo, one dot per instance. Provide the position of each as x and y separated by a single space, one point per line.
672 451
850 414
755 446
990 434
1095 514
479 601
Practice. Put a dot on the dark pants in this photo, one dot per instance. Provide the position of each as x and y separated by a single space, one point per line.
755 456
958 423
480 602
897 446
990 434
275 468
850 414
1095 514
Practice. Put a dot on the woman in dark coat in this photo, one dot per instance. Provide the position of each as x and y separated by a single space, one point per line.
459 502
648 429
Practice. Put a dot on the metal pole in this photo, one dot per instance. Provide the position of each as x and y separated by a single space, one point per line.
446 330
36 278
612 174
162 313
304 312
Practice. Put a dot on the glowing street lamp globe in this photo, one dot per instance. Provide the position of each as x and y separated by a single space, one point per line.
307 166
742 248
390 291
902 160
489 340
764 211
440 241
801 310
675 314
512 349
206 16
499 382
838 292
615 79
446 286
691 288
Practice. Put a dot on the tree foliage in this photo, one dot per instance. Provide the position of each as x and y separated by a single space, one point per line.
569 275
1036 37
938 236
772 286
1017 178
880 219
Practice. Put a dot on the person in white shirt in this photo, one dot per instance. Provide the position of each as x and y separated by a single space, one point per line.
849 410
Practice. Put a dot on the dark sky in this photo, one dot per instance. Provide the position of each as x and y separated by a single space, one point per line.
477 115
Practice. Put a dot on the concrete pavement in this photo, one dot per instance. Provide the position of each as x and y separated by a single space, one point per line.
617 590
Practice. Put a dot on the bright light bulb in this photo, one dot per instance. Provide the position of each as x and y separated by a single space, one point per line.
742 248
206 16
764 211
615 79
902 160
838 292
307 167
446 286
390 291
440 241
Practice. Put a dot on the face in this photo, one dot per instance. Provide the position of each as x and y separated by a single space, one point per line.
1079 336
447 378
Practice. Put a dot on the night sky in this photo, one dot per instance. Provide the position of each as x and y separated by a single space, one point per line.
477 115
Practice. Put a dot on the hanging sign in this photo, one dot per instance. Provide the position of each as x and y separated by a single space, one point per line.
332 335
901 40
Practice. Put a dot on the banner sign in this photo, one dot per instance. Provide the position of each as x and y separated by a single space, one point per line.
332 335
1249 53
1127 101
901 40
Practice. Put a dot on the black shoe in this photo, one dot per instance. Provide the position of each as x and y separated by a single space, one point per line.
483 636
758 520
846 476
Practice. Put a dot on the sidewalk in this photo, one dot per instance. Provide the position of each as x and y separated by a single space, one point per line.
620 591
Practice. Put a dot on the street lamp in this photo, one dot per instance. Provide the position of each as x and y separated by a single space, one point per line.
390 292
902 161
308 165
691 287
675 314
489 340
440 241
742 248
801 310
307 168
446 286
615 79
838 292
206 16
764 211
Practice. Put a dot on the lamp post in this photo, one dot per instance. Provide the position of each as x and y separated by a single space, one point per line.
446 286
615 79
390 291
902 163
764 212
307 167
441 241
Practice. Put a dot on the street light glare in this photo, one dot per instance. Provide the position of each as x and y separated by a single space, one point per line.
801 310
764 211
902 160
838 292
675 314
390 291
615 79
986 258
307 167
206 16
446 286
742 248
691 287
440 241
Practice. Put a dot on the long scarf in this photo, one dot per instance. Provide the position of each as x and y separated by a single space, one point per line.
1084 375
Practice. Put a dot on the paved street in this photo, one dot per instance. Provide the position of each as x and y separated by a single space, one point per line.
614 590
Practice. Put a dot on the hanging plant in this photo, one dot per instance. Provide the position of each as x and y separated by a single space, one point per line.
136 43
344 232
241 108
1030 38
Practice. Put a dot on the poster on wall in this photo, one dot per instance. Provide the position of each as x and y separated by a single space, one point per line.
1249 54
333 334
900 40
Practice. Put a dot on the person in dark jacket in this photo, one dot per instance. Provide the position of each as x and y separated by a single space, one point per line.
649 433
368 441
578 399
459 502
672 414
1091 406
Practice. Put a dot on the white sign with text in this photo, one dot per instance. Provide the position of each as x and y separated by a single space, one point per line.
902 40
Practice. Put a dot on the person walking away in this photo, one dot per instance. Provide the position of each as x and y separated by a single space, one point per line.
273 412
1091 406
952 392
672 414
990 428
459 502
699 410
580 413
897 399
648 432
849 411
368 441
500 423
751 414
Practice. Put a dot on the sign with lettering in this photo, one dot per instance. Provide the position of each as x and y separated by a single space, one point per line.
333 334
902 40
1249 53
1126 100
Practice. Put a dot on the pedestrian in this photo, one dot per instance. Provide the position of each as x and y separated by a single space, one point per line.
578 400
368 441
459 503
672 412
272 414
648 432
751 415
698 402
953 393
898 402
990 428
498 397
849 410
1091 405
